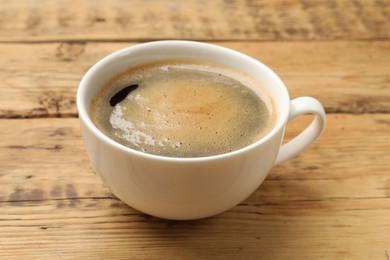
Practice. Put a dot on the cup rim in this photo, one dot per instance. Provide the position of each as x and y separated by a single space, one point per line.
86 120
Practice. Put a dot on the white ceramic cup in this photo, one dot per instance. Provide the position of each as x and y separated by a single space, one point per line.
191 188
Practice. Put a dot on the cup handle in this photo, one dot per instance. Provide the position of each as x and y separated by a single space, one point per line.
300 106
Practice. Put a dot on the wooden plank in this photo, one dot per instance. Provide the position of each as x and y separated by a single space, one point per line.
40 80
53 143
45 151
51 151
332 199
96 229
47 20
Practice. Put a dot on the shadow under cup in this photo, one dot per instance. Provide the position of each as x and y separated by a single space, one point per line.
181 188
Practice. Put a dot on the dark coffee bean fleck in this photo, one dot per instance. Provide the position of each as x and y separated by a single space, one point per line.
122 94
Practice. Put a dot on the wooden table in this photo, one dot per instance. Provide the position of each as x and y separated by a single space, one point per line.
330 202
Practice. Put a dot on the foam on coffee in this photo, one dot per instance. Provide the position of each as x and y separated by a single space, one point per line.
183 109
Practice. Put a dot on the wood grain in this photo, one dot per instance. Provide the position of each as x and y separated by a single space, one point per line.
40 80
46 20
333 198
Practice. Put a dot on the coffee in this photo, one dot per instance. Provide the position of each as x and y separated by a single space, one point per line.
183 108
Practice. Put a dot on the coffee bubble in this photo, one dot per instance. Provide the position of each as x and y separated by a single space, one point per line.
183 109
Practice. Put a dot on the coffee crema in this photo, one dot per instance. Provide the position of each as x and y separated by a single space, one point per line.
183 108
